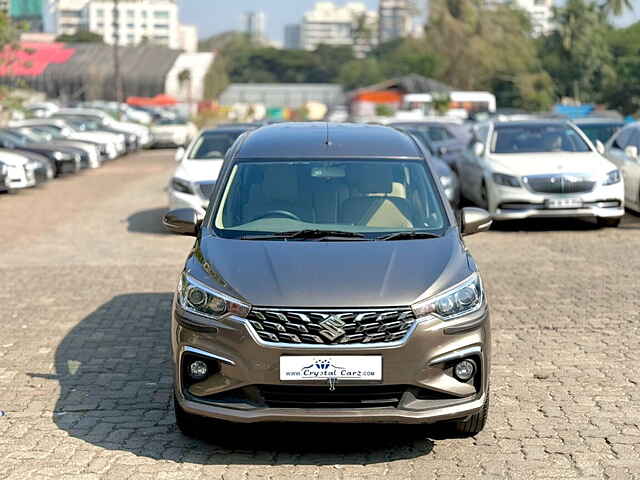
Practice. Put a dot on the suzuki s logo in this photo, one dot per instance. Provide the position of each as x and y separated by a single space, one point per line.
332 328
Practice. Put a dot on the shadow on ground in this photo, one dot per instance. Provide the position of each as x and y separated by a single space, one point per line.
116 393
147 221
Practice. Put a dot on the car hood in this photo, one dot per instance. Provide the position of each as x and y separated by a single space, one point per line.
102 137
12 158
311 274
522 164
199 170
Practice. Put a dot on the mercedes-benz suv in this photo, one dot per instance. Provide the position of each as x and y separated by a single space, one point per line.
329 282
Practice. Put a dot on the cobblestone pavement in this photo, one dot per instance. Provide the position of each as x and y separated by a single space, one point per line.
84 260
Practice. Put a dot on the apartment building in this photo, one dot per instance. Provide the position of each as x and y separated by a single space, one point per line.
330 24
135 22
395 20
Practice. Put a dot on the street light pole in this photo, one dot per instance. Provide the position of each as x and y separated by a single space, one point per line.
116 58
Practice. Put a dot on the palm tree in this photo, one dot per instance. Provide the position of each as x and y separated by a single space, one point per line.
617 7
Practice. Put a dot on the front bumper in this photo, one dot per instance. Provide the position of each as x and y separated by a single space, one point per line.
508 203
186 200
421 365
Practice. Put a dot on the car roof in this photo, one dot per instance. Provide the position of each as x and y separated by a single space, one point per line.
427 123
532 122
321 140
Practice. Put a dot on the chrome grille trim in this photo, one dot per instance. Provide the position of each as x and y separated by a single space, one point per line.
562 183
331 328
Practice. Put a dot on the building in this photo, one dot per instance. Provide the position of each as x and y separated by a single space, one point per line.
255 26
541 14
395 20
329 24
282 95
292 36
85 71
27 11
135 22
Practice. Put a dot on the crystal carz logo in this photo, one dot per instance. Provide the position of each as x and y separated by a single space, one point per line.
305 368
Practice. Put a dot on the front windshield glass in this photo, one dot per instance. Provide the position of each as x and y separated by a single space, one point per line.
48 130
602 132
536 138
369 197
213 145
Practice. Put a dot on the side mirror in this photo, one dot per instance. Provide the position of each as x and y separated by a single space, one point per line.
600 147
180 154
478 148
183 221
632 152
442 151
475 220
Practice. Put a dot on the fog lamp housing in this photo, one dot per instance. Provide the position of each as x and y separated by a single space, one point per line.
464 370
198 370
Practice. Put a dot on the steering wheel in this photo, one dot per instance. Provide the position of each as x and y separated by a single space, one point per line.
277 213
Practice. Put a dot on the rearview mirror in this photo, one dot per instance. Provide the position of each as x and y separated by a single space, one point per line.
632 152
180 154
183 221
475 220
478 148
600 147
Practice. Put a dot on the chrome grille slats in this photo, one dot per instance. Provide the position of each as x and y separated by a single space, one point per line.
331 327
559 183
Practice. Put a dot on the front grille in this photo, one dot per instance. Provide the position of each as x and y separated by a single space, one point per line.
327 328
559 183
299 396
206 189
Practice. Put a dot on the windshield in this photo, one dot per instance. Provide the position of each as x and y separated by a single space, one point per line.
49 130
370 197
536 138
602 132
213 145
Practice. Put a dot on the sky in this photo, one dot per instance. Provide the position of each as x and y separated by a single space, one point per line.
215 16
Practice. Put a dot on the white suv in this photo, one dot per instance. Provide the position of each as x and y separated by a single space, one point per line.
195 177
540 168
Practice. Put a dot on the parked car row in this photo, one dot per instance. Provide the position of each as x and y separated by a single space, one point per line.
36 150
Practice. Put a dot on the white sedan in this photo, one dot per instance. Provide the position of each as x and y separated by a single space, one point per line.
20 171
199 166
623 150
540 168
166 132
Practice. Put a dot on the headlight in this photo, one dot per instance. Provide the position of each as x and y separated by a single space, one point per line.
181 186
62 156
506 180
612 177
459 300
446 181
196 297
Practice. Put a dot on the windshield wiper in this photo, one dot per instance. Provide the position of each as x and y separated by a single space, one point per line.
410 235
306 234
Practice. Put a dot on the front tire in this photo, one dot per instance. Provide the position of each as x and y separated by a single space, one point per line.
474 424
186 422
605 222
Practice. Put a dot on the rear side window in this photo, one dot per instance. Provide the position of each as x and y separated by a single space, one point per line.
623 139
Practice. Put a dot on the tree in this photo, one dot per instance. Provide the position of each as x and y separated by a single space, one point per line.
359 73
616 7
577 54
81 36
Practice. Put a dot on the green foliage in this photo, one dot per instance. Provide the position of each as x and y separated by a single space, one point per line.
383 110
359 73
577 54
82 36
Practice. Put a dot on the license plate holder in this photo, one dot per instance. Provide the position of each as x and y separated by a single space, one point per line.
324 367
563 203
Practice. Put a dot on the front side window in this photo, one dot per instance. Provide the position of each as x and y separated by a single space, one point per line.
536 138
365 197
212 145
602 132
